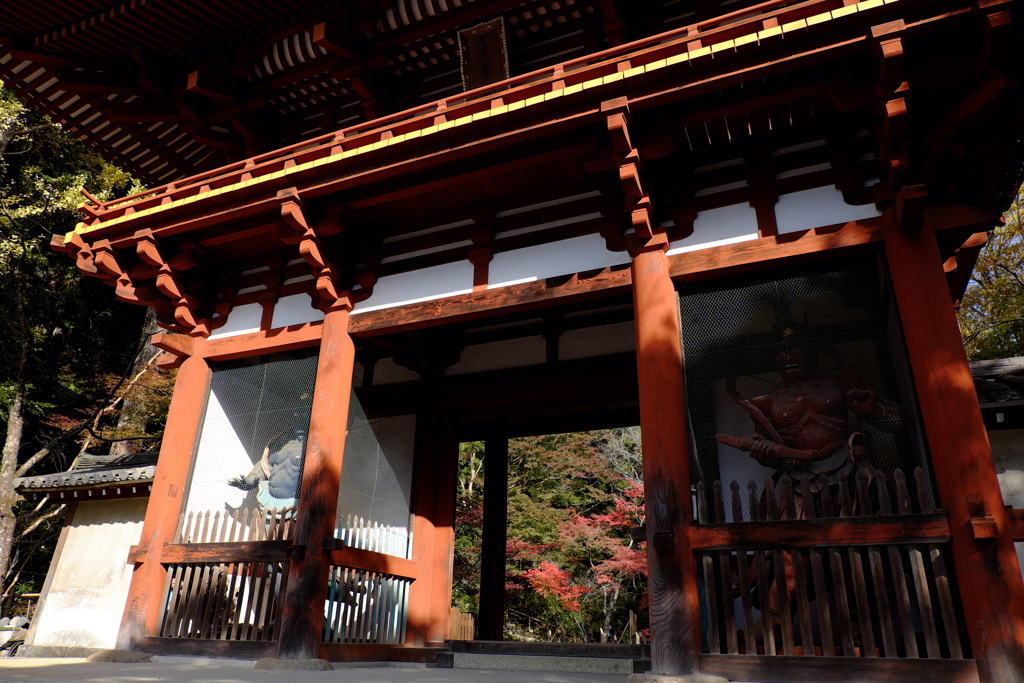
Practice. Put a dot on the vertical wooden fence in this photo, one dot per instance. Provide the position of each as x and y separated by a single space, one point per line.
462 626
231 577
365 607
853 570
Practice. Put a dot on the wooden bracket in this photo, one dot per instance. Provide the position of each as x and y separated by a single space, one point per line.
664 541
984 527
911 203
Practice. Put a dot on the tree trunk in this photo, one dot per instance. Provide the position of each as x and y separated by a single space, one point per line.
9 464
132 420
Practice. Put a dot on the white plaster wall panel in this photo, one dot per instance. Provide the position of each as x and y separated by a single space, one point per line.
221 457
512 353
716 227
241 320
436 282
597 341
387 371
1008 454
564 257
817 207
296 309
90 581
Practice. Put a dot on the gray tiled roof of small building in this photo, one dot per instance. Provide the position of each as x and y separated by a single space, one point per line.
96 470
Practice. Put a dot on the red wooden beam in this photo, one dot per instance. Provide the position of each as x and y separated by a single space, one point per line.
987 569
675 606
303 614
391 565
821 532
1016 524
146 593
248 551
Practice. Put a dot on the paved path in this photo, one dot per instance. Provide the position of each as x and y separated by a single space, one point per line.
184 670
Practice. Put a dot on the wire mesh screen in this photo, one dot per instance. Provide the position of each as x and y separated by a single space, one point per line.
803 375
253 440
376 482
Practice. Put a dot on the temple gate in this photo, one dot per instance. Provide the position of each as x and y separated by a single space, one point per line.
745 229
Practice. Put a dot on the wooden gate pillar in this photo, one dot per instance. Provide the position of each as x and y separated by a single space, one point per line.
986 564
675 608
492 551
437 461
184 418
303 616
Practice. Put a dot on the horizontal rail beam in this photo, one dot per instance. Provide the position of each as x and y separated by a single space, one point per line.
808 533
226 553
357 558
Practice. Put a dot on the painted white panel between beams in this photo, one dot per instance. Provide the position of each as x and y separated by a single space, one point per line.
715 227
564 257
296 309
816 208
241 320
436 282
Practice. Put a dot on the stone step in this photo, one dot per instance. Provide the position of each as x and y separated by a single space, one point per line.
541 662
506 647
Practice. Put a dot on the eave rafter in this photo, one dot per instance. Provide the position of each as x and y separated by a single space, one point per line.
280 198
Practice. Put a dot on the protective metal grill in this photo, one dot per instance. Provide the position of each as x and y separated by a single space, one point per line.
376 482
252 447
799 376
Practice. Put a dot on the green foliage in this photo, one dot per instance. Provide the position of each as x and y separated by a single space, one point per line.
571 569
75 330
992 311
64 339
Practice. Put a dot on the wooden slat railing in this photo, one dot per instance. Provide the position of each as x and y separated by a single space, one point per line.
827 569
224 601
365 607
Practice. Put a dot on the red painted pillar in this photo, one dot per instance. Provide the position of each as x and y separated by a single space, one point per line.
146 594
303 617
430 596
986 567
675 608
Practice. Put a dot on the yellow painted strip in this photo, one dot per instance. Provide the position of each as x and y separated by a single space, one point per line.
721 47
794 26
819 19
699 52
870 4
745 40
683 56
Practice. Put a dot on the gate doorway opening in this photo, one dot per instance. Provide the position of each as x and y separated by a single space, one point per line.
544 539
